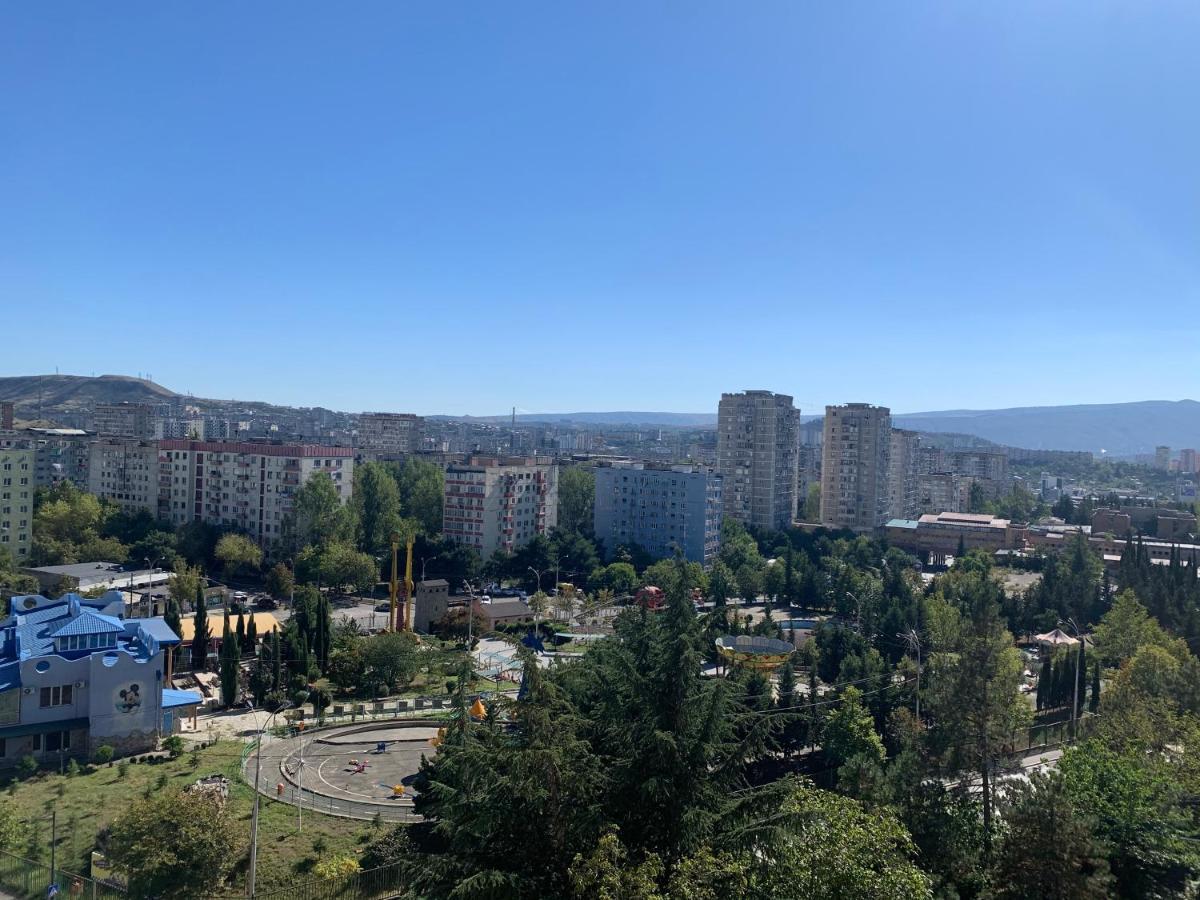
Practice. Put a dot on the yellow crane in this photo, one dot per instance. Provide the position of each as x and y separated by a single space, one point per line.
404 621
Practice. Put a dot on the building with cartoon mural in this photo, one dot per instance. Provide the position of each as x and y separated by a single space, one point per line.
75 675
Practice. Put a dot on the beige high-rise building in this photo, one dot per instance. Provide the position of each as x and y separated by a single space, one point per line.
902 474
248 486
494 503
125 472
854 467
758 456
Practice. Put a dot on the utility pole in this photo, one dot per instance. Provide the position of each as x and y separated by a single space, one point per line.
913 640
1070 622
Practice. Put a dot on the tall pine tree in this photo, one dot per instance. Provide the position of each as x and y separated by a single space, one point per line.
201 636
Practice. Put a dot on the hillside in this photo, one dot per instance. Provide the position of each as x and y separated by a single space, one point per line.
668 419
68 393
1121 429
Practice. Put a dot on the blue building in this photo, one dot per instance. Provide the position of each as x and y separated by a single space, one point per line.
75 675
659 509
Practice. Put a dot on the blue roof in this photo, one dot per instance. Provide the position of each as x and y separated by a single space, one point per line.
90 622
10 675
172 699
157 629
901 523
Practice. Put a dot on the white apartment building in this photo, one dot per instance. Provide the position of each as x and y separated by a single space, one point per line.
391 433
758 454
493 503
125 472
854 467
16 502
248 486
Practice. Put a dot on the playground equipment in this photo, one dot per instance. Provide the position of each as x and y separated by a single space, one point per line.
477 710
754 652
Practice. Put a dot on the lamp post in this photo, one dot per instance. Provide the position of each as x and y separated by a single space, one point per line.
153 567
1070 623
250 878
425 559
538 575
913 640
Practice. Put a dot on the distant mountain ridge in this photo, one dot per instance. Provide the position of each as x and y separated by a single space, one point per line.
67 393
1119 429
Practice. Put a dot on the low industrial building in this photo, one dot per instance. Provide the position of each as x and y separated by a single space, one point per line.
76 675
933 537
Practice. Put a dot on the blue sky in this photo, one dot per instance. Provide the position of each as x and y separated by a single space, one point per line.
461 207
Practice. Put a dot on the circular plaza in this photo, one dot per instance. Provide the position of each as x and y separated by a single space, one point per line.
358 771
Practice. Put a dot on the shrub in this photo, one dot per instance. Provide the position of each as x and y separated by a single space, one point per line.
72 768
336 867
28 766
104 754
173 745
162 780
123 768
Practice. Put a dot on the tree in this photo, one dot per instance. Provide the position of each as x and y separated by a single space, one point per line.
618 577
390 660
721 584
174 845
201 635
1137 806
279 582
1126 627
238 554
421 485
173 618
850 731
342 566
975 695
230 659
376 506
576 499
834 849
1050 847
186 582
318 515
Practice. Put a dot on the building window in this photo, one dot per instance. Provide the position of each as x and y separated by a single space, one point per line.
52 741
58 695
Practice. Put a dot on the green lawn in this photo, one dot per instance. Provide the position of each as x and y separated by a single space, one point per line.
90 801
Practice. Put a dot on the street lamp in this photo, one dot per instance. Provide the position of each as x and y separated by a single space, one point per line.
425 559
538 575
257 796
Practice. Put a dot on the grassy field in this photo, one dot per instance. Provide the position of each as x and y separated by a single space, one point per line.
87 802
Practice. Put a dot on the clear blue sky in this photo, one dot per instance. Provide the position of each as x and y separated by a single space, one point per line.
459 207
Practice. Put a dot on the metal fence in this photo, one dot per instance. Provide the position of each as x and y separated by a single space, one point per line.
374 884
28 879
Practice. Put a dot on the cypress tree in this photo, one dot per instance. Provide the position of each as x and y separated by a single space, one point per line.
1094 701
230 658
251 637
276 661
202 636
172 617
241 630
1045 684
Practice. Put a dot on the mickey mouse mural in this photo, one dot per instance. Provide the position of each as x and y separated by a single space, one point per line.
129 699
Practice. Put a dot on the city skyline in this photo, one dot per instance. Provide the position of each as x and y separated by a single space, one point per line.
565 209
